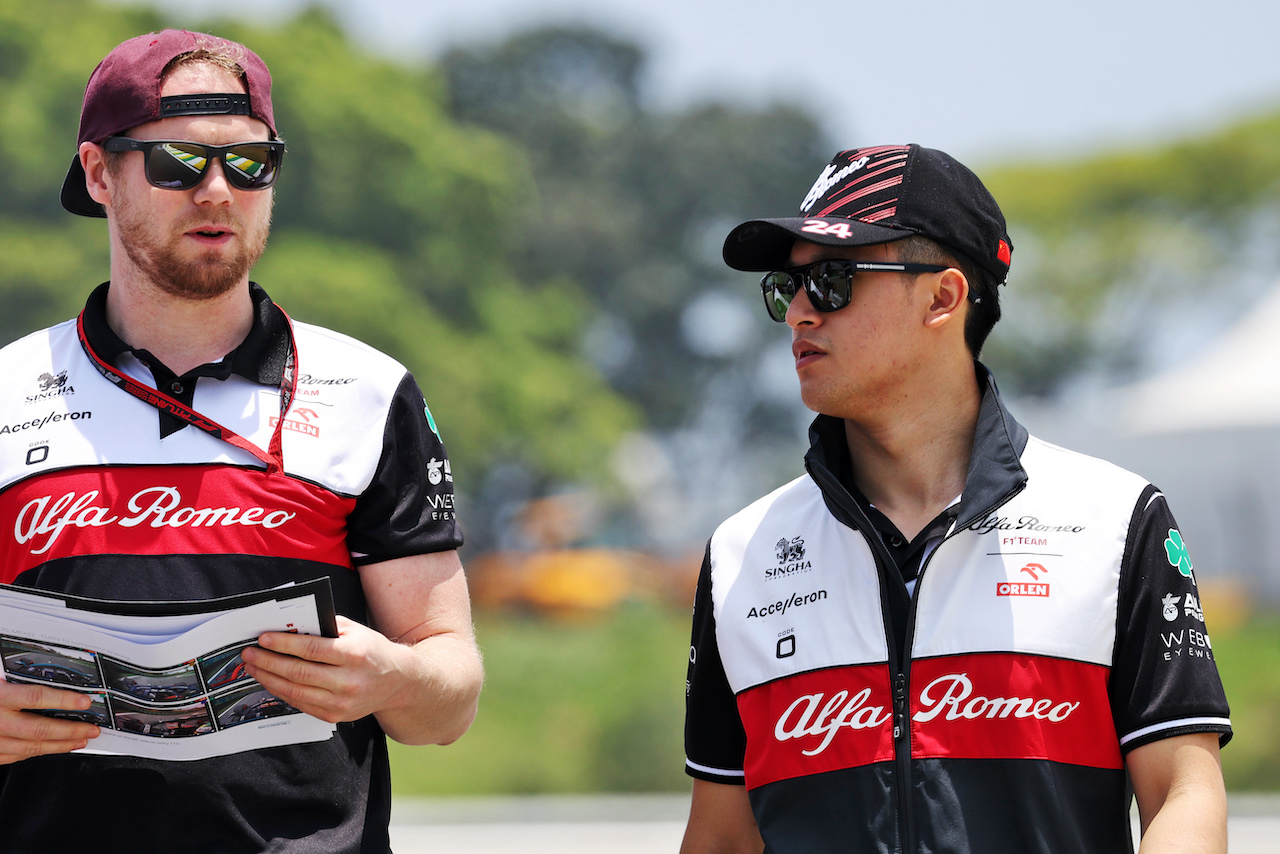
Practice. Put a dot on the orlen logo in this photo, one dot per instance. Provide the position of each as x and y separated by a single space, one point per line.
1023 588
157 506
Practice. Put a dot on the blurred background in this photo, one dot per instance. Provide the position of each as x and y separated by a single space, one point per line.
524 201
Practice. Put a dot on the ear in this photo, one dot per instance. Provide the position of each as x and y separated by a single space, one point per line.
949 293
96 180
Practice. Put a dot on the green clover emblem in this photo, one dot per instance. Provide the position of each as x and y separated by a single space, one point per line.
1177 552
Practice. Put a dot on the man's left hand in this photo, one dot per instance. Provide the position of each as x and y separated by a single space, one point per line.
346 678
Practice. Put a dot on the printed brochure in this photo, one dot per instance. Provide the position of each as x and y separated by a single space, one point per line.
165 678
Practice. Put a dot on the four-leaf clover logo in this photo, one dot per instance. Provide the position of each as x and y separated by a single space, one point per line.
1177 553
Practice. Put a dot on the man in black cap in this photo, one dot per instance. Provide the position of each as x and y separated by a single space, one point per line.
947 635
183 439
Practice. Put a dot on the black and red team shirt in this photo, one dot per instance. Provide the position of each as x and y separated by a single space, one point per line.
1053 626
103 495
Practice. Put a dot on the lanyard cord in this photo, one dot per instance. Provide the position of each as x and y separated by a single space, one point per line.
273 457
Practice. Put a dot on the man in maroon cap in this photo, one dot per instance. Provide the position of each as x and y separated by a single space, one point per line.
948 635
183 439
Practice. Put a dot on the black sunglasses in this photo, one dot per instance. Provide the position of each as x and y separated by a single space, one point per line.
173 164
828 284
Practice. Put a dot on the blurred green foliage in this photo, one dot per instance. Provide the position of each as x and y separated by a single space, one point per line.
587 706
598 706
1249 662
392 223
634 203
1130 232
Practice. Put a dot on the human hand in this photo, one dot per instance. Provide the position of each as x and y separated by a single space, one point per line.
346 678
24 734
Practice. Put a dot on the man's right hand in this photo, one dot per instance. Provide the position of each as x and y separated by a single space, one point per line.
26 734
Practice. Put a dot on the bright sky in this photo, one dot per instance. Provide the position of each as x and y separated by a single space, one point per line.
983 80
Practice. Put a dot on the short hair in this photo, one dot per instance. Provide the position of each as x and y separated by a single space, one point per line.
218 55
984 297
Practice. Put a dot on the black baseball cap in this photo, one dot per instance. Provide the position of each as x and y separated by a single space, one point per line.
124 92
878 195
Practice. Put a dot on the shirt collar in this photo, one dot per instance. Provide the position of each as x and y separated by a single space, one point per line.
260 357
995 466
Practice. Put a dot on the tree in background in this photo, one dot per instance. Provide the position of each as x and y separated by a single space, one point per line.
392 223
633 203
1127 260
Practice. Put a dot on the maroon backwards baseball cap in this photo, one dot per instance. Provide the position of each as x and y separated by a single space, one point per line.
124 92
879 195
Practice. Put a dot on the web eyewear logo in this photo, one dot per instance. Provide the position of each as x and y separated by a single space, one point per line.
51 386
790 555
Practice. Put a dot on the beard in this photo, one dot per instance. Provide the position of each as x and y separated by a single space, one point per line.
209 274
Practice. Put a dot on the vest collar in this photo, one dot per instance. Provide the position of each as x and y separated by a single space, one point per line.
995 467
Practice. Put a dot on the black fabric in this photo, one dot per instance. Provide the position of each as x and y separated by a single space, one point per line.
1162 640
960 805
124 804
853 806
261 357
712 728
408 509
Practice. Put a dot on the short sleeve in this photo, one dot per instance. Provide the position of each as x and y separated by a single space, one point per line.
1164 679
408 508
715 742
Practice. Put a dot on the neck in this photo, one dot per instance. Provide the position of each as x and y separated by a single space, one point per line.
181 333
911 462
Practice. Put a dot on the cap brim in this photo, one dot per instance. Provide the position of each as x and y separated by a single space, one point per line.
765 244
75 194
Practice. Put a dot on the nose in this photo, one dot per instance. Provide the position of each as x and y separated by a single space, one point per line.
214 188
801 311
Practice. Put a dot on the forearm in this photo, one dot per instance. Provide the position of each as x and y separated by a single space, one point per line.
1192 820
1181 796
441 680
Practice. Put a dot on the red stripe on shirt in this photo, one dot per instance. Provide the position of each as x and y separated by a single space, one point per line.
1012 706
815 722
156 510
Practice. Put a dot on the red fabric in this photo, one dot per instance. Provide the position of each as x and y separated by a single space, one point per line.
841 717
155 510
1008 706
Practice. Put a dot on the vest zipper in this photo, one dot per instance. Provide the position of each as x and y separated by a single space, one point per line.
899 666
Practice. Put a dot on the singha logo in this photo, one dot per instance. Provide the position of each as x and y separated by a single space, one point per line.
789 550
49 382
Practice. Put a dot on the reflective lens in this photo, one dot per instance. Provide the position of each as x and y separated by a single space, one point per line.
181 165
828 284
